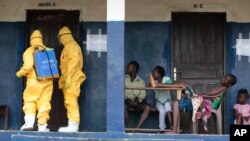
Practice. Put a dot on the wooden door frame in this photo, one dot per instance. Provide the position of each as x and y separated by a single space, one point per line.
224 54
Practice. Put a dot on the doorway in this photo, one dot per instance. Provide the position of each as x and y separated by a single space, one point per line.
49 22
198 44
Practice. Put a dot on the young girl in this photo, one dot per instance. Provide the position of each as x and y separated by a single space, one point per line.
163 98
242 109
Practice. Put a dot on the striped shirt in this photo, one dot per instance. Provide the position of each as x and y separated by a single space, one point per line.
136 83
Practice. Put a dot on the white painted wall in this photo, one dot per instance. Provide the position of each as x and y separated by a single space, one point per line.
135 10
160 10
91 10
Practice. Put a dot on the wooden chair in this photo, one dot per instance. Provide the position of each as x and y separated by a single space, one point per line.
4 111
218 118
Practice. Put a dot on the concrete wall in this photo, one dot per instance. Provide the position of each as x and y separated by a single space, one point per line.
91 10
160 10
11 48
240 68
139 10
147 40
116 136
93 92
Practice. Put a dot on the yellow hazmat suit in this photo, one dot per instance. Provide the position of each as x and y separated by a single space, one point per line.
72 76
37 94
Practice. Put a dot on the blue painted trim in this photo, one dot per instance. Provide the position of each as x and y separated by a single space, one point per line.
115 77
56 136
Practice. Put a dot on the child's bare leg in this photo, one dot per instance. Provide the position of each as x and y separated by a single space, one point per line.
146 110
127 122
176 118
204 117
170 119
204 120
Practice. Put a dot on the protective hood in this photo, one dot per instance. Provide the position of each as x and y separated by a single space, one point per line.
36 38
65 35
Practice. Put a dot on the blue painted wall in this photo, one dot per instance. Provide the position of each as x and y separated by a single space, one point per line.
93 94
149 43
240 68
115 76
11 45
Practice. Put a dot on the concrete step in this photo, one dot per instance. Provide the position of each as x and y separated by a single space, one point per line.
44 138
105 136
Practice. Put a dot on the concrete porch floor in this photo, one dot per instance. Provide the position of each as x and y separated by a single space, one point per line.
105 136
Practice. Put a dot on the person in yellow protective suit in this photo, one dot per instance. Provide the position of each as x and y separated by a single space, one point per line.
37 94
72 76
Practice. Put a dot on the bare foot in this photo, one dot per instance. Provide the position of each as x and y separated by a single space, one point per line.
205 128
152 81
134 131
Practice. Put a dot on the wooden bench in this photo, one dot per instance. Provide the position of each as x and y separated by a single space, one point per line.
143 130
152 109
4 111
148 130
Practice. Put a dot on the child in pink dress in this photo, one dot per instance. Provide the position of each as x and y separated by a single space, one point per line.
242 109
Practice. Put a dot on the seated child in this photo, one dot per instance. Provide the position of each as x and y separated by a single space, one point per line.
203 101
163 98
242 109
174 102
209 100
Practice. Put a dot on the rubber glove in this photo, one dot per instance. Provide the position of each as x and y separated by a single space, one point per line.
49 48
18 74
60 84
68 81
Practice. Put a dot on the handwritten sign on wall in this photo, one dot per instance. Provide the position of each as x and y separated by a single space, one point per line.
242 47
